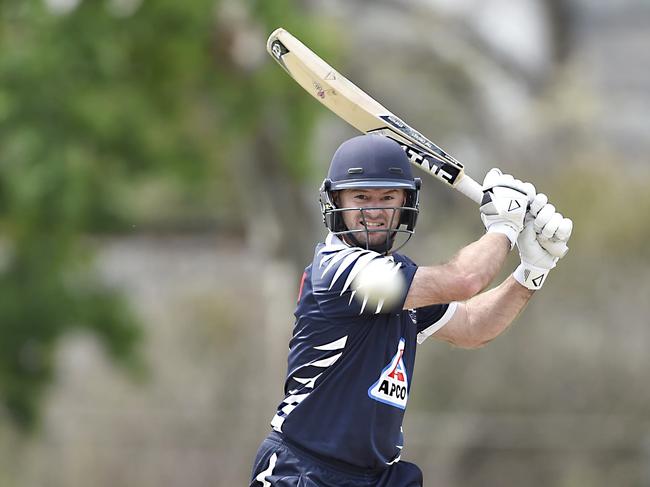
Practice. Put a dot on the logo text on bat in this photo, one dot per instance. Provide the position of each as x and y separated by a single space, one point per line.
320 92
443 170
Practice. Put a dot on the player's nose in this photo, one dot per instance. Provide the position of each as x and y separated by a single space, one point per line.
373 213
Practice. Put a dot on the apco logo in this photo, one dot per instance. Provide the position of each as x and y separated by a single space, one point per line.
392 386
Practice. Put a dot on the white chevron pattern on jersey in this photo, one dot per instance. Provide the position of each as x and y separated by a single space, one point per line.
335 345
261 477
354 258
307 383
400 447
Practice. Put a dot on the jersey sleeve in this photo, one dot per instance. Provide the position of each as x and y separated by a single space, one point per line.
334 268
430 319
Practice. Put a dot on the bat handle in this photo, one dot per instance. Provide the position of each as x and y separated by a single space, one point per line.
470 188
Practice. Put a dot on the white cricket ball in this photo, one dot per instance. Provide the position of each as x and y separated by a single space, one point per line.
381 283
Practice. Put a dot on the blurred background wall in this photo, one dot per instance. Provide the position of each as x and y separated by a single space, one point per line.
158 200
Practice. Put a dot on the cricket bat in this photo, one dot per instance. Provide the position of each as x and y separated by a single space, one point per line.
366 114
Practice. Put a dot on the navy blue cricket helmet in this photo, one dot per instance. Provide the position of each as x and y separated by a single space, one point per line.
370 162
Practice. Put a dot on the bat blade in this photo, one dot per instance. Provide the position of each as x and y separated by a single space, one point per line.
364 113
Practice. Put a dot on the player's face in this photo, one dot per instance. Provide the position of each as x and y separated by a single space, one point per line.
372 218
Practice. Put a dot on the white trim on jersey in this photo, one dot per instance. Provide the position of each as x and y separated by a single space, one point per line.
337 256
335 345
353 259
290 403
307 381
323 362
261 477
397 458
350 257
434 327
332 242
333 251
362 262
276 422
326 362
293 400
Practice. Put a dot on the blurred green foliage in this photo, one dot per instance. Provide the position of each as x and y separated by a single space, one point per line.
614 222
96 104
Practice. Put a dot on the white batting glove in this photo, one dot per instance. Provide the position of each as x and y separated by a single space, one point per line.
536 262
552 229
505 202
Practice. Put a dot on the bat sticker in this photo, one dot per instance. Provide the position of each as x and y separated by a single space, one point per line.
417 136
319 90
278 49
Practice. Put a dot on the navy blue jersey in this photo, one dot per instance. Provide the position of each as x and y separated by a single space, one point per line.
350 365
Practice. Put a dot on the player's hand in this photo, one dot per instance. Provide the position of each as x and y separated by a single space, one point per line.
536 262
505 202
552 229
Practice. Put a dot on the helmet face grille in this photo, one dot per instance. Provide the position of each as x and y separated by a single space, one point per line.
333 219
370 162
362 237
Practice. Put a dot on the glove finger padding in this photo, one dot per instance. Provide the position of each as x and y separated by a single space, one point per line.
551 227
544 216
530 190
538 202
536 262
563 232
557 248
556 245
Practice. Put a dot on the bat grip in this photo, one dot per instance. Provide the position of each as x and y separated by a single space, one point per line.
471 189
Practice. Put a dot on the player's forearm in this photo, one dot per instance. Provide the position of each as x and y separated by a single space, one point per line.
464 276
489 314
481 260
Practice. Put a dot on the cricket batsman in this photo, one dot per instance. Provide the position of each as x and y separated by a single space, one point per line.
351 357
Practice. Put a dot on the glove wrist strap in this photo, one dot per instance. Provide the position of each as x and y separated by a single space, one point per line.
530 276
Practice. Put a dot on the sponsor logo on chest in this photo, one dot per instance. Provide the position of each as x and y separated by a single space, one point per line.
392 386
